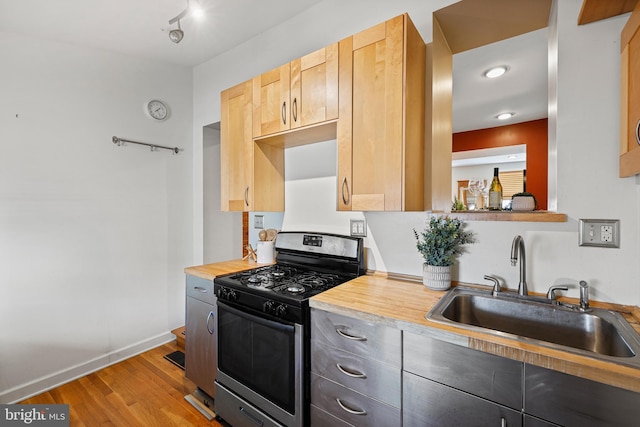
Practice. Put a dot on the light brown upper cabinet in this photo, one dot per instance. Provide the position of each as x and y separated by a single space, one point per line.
381 127
301 93
630 96
251 173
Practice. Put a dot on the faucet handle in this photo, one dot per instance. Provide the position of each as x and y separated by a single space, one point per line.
496 285
551 293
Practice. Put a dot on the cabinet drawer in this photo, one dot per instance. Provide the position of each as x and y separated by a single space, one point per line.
485 375
201 289
351 406
573 401
430 404
370 377
356 336
320 418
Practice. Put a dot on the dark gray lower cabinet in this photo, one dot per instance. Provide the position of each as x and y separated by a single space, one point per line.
530 421
201 357
573 401
427 403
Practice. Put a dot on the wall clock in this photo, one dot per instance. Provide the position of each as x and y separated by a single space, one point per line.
156 109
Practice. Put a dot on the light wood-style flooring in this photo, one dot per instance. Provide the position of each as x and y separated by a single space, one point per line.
145 390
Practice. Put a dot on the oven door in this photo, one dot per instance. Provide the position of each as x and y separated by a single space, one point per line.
260 360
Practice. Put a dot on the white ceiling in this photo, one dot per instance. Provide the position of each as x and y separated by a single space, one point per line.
140 28
522 90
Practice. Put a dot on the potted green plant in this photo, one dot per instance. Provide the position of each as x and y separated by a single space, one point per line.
439 244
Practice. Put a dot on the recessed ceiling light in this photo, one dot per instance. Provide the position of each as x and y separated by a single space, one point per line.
494 72
505 116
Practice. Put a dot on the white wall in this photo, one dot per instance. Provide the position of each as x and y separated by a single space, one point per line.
222 231
587 132
93 237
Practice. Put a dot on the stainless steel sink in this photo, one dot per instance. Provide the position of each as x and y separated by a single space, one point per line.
597 332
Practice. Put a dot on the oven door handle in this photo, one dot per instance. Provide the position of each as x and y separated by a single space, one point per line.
274 324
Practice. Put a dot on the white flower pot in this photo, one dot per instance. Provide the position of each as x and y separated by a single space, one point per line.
436 278
523 203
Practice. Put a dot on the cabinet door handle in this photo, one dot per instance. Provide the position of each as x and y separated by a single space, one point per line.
200 289
246 196
283 111
294 109
349 336
350 372
209 318
503 422
349 410
638 132
345 186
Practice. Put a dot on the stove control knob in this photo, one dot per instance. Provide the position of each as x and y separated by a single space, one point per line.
268 307
232 296
281 310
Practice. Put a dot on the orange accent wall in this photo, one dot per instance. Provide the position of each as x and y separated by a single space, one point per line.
534 134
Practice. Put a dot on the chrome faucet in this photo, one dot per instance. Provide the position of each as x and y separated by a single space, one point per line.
517 250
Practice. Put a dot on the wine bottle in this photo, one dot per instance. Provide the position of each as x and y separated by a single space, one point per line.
495 192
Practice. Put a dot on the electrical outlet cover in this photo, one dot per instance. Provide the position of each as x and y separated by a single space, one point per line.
603 233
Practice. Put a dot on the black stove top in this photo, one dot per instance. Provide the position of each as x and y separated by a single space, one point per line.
306 265
288 282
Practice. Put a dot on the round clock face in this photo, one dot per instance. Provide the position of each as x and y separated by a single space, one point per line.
157 109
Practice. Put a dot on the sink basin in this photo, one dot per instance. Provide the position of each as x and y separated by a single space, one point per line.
598 332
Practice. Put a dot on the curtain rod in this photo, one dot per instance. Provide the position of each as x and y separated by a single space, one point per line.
154 147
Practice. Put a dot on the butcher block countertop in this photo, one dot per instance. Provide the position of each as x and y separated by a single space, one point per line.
403 304
210 271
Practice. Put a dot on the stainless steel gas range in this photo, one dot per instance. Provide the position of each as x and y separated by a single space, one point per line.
263 328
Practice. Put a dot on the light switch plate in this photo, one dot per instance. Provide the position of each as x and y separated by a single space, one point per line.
258 221
358 228
603 233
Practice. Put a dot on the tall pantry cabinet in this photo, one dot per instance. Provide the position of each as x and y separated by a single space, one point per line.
382 113
630 96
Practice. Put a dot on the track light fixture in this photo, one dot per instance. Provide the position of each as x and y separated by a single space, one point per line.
177 35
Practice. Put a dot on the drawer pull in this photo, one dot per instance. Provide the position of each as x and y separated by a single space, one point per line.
349 410
350 372
200 289
251 417
350 337
503 422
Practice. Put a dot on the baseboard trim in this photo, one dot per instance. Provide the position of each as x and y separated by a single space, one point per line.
33 388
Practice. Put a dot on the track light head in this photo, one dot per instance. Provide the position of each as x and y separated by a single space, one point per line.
176 36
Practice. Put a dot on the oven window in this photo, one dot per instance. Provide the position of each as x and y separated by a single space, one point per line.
259 353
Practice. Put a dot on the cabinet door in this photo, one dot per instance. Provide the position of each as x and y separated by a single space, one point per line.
485 375
427 403
236 148
381 149
314 87
271 108
200 345
573 401
630 96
